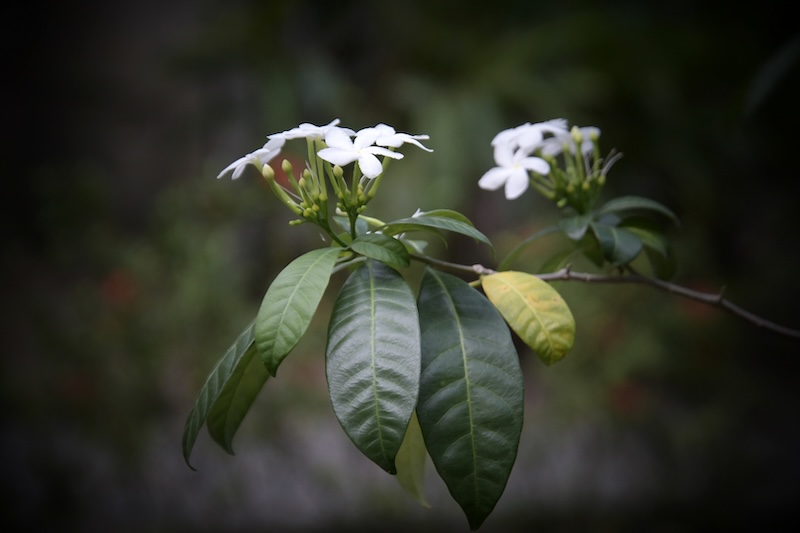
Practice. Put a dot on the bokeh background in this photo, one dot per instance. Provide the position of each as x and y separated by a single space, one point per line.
127 269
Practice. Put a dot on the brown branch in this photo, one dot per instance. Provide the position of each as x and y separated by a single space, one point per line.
566 274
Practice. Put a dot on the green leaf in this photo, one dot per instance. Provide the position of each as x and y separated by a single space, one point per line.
471 392
382 248
512 256
344 223
628 204
235 399
213 387
649 233
575 227
619 245
290 303
446 213
373 360
535 311
410 462
428 223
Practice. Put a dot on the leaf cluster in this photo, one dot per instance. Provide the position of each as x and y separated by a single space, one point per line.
412 371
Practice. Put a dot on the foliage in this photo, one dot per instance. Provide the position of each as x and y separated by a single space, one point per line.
430 368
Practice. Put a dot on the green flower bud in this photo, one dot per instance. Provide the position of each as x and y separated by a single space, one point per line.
286 165
338 171
576 135
268 172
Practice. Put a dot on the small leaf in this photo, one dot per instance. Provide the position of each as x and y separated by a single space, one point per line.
575 227
628 204
382 248
471 392
236 398
535 311
427 223
649 233
213 387
344 223
290 304
373 360
410 462
619 245
446 213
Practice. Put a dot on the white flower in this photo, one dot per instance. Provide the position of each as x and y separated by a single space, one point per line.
259 158
555 145
342 150
389 137
528 136
308 131
512 170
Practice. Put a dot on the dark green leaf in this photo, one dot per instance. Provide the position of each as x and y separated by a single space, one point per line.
213 387
649 233
619 245
428 223
631 204
381 248
373 360
235 399
344 223
575 227
471 392
290 303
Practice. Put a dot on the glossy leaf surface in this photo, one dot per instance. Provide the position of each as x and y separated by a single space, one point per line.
471 392
382 248
213 387
290 303
535 311
235 399
619 245
373 360
423 223
632 204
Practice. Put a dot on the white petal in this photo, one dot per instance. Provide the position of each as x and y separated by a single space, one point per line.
508 136
504 155
370 165
366 137
337 156
494 178
537 164
516 184
239 171
232 166
338 138
377 150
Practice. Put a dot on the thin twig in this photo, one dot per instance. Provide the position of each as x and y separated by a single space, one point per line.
566 274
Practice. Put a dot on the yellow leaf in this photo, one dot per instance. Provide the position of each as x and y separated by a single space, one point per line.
535 311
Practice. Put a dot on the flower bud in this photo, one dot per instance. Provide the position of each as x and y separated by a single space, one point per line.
576 135
268 172
338 171
286 165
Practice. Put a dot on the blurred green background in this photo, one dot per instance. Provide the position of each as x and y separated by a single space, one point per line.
128 269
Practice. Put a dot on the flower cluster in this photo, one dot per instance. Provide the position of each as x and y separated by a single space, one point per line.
330 147
343 146
527 155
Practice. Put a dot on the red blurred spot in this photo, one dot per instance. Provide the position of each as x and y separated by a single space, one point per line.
627 398
119 288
